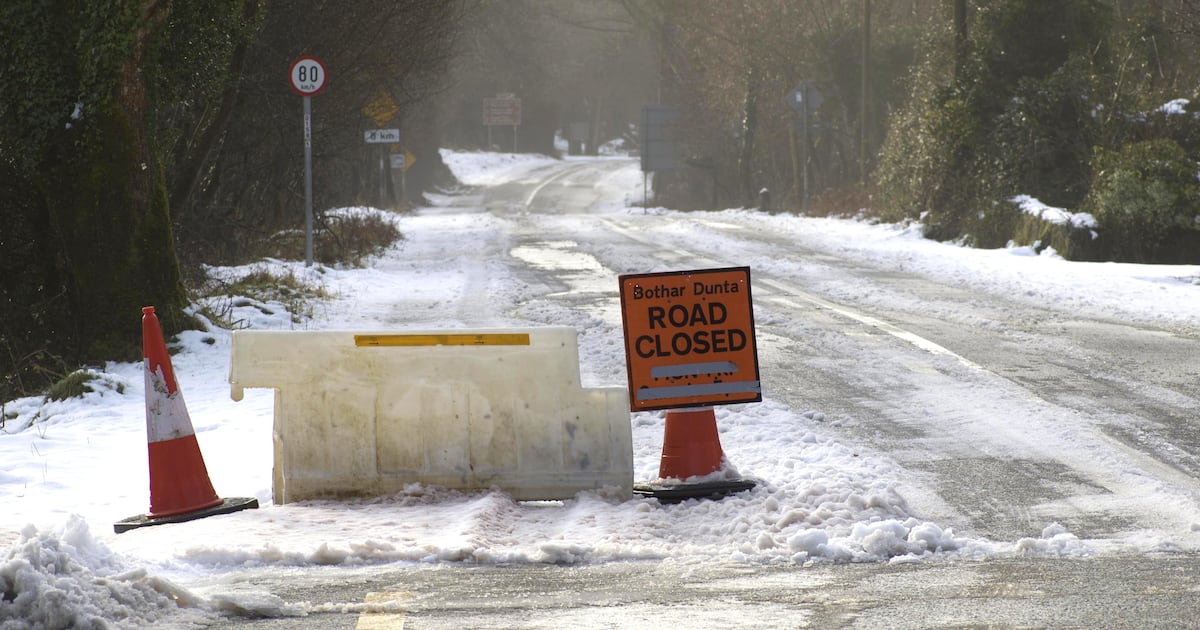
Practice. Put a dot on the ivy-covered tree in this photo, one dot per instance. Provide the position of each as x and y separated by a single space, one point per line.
88 92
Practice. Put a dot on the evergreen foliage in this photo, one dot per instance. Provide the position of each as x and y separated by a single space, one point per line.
1147 198
1050 102
1014 119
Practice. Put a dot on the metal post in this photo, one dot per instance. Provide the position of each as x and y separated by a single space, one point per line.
804 161
514 138
383 149
391 173
308 213
864 111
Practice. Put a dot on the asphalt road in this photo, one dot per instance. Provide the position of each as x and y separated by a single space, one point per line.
880 368
1127 592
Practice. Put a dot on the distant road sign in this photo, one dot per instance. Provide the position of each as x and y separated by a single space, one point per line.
689 338
806 95
307 76
504 109
402 161
659 145
381 136
381 108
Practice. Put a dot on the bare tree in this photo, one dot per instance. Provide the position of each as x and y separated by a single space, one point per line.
392 55
729 66
569 61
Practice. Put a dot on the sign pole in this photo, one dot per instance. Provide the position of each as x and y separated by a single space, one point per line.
308 214
383 149
805 100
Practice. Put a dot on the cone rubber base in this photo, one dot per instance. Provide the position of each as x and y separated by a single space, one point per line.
226 506
676 493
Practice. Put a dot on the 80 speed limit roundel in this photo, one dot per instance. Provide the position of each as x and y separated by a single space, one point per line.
307 76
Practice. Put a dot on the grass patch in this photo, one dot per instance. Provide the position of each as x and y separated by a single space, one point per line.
77 384
259 288
346 239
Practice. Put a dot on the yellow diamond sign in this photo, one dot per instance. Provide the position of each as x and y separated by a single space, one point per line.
381 108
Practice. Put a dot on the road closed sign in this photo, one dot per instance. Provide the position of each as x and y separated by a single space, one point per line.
689 338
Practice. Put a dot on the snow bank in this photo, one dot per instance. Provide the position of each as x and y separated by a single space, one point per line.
64 578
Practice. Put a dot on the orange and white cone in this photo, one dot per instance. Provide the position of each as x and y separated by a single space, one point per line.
692 448
180 489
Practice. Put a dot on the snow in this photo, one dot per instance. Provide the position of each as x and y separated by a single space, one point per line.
1175 107
1057 216
73 468
490 169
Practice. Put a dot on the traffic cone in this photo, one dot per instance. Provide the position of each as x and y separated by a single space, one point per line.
691 448
180 489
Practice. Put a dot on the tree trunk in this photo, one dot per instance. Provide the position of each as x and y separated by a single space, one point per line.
960 37
107 202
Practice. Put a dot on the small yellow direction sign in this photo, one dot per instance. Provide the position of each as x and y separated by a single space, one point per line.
403 160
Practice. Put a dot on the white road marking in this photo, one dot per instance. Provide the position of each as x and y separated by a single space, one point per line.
790 291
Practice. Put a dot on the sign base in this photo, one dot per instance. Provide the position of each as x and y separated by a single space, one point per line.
679 492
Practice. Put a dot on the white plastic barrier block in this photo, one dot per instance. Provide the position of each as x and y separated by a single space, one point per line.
365 413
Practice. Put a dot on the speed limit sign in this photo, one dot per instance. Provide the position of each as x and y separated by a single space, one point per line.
307 76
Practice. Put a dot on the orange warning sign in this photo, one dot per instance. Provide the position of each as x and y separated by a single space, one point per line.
689 338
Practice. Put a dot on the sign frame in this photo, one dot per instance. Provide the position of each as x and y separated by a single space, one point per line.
689 338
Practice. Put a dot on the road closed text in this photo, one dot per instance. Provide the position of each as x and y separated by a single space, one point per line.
682 330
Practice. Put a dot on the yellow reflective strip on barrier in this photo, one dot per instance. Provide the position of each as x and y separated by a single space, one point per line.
495 339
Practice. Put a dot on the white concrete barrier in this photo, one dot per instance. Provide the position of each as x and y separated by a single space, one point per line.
365 413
